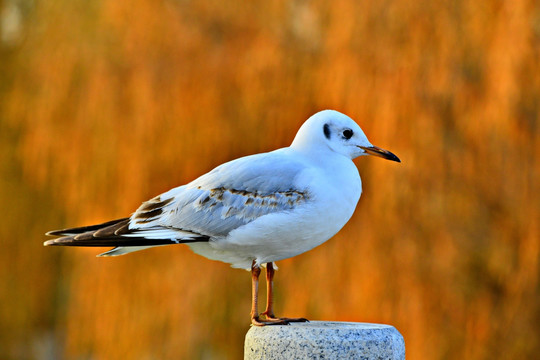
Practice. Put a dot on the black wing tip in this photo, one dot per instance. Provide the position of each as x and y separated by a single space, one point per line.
114 233
84 229
55 233
120 241
59 241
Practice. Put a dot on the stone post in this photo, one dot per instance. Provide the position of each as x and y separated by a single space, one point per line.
324 340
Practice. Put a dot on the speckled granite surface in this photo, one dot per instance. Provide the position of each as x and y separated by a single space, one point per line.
324 340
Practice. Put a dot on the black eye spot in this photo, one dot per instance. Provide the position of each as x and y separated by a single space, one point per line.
347 133
326 130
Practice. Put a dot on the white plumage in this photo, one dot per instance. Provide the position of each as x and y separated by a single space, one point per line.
254 210
264 207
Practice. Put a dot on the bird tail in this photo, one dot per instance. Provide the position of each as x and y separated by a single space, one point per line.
117 234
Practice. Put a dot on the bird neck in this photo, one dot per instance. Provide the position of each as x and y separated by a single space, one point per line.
321 155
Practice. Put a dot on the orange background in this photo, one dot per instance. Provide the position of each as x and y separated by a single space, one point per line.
105 104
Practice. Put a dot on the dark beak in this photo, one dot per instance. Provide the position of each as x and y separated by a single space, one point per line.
377 151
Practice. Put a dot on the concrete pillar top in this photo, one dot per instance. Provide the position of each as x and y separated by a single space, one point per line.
324 340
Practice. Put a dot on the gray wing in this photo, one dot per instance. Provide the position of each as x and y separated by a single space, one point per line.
227 197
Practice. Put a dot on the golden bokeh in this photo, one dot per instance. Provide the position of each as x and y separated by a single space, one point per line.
105 104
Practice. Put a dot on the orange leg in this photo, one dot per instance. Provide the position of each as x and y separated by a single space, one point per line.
269 312
255 319
255 272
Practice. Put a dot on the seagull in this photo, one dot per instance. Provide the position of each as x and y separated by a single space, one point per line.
252 211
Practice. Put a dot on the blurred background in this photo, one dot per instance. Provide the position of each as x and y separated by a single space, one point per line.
104 104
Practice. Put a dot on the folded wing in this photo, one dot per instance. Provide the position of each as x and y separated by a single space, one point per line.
207 209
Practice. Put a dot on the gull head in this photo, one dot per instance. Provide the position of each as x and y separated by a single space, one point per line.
330 130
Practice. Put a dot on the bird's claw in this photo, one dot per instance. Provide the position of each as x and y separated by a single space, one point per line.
271 319
257 321
294 319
